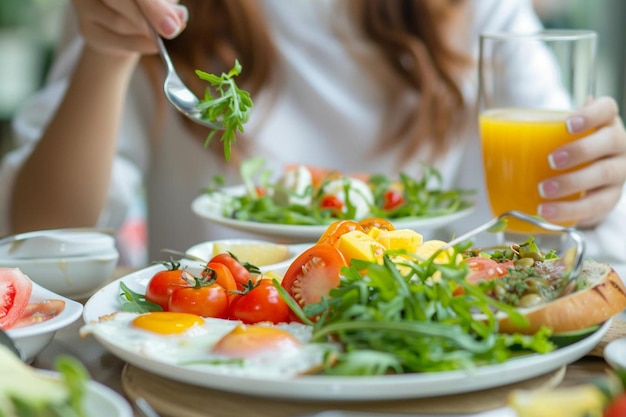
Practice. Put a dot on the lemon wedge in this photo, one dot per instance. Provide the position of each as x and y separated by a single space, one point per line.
259 254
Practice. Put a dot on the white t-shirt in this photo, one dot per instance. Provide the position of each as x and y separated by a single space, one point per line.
327 114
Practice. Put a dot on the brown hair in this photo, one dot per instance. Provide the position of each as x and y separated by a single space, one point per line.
409 35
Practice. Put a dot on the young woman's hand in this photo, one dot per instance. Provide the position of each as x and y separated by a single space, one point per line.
601 178
119 26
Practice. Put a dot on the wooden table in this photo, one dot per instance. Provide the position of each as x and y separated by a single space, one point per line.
108 369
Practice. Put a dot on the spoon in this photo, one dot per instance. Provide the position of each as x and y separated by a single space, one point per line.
178 94
5 340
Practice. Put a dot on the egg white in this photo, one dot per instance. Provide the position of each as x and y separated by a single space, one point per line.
192 348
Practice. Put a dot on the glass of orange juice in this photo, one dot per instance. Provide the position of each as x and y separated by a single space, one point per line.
528 85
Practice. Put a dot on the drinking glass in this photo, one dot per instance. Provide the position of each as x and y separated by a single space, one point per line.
528 85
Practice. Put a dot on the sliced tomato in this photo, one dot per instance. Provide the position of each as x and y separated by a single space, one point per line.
482 269
15 291
313 273
39 312
377 222
260 302
331 202
335 230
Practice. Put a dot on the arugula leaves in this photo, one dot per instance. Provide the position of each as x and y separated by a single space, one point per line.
230 107
403 316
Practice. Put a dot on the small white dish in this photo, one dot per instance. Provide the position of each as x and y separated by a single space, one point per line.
75 277
34 338
615 353
55 243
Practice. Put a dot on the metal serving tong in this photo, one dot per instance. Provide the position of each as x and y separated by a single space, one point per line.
572 257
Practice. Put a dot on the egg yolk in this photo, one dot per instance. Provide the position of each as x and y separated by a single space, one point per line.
250 341
164 322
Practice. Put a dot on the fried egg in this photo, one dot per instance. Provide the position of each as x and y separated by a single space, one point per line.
263 350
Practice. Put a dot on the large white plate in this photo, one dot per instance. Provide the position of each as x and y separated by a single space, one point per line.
106 301
211 207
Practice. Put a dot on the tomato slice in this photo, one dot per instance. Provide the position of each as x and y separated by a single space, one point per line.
371 222
15 291
314 273
336 229
482 269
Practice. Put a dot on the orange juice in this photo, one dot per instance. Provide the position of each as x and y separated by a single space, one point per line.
516 144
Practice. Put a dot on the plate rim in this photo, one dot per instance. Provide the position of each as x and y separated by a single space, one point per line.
334 388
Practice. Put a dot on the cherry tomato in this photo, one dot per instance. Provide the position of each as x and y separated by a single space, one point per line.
331 202
260 302
392 199
164 282
335 230
206 298
377 222
15 290
617 408
260 191
313 274
221 275
240 273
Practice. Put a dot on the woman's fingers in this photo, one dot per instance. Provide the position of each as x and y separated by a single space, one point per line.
167 18
587 211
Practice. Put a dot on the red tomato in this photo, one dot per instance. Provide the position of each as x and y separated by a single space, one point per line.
15 290
617 408
206 299
393 199
314 273
221 275
335 230
240 273
482 269
260 191
258 303
332 203
377 222
163 283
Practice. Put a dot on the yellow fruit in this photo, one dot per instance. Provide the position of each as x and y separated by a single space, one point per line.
406 239
430 247
259 254
579 401
358 245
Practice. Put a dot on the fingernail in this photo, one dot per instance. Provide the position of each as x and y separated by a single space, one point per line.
182 12
575 124
546 210
169 27
558 159
548 188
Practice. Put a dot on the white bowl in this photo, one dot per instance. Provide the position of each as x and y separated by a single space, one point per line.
56 243
34 338
75 277
101 401
205 251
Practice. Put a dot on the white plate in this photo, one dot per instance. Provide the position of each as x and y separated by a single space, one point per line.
102 401
615 353
210 207
334 388
34 338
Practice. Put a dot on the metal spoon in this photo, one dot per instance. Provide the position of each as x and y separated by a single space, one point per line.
181 97
5 340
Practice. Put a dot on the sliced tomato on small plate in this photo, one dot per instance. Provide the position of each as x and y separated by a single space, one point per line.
15 291
482 269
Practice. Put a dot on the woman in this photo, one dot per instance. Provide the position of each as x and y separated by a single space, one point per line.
374 86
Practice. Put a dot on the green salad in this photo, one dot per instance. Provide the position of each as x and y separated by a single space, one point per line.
303 195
